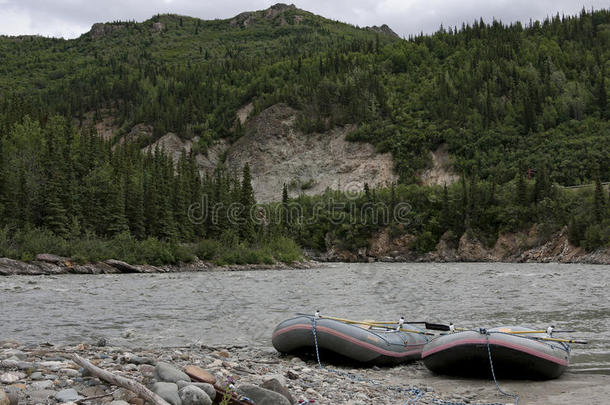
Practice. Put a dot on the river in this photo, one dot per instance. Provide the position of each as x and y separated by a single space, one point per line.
243 307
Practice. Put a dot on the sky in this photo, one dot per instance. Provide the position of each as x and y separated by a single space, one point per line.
71 18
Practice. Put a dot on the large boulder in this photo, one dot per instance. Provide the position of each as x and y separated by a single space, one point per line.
262 396
191 395
167 373
167 391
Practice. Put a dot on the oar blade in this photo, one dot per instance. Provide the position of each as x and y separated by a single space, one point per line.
437 326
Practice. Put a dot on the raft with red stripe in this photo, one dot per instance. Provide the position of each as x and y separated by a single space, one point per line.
370 346
513 356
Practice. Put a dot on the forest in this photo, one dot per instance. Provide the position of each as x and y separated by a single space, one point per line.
508 100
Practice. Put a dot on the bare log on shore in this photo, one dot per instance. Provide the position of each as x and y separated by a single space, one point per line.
119 381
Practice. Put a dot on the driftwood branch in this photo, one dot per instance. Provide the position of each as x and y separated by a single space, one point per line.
119 381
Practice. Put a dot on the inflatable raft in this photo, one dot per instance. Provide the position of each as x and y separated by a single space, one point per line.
525 356
359 343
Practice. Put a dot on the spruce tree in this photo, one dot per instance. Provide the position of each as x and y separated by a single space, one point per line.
599 203
247 202
285 216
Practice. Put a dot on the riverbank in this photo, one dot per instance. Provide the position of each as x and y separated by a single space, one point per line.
530 246
47 264
31 374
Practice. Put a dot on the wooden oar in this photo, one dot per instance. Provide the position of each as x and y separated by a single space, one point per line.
351 321
580 342
517 332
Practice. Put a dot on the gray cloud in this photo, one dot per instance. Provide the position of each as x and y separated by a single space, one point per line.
70 18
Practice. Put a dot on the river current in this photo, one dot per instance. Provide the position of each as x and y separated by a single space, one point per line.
163 310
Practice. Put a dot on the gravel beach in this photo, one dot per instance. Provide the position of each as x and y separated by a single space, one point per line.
44 374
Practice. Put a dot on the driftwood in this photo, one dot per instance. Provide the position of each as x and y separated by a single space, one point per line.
119 381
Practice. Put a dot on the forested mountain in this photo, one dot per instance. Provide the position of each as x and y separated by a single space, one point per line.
504 98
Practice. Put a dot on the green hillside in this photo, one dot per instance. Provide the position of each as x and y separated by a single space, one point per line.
504 98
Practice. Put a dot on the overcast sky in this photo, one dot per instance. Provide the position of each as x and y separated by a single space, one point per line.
71 18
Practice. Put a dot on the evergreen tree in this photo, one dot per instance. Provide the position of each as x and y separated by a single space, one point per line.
521 193
247 202
599 203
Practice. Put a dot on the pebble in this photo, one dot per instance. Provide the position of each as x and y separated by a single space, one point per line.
37 375
191 395
42 385
284 378
200 374
167 373
262 396
167 391
11 377
40 396
67 395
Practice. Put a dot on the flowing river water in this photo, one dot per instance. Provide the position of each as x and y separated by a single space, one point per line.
243 307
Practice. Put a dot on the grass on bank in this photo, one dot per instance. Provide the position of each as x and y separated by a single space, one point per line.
25 244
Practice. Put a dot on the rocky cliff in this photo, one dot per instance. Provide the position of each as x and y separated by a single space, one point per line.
279 153
523 247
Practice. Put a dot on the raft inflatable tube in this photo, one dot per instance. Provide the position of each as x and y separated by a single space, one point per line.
513 356
370 346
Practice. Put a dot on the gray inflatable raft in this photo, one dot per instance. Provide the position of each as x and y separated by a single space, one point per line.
367 346
513 356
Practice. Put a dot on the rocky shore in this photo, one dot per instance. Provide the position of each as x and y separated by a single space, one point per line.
531 246
47 264
46 374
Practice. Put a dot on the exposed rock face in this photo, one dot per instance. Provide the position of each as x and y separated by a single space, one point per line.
528 247
279 154
250 17
100 30
384 29
172 144
440 172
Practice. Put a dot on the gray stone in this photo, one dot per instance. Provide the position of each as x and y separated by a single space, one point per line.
181 384
262 396
119 402
167 373
191 395
70 372
67 395
13 397
4 398
36 376
275 385
40 396
11 377
14 353
14 393
208 388
167 391
42 385
49 258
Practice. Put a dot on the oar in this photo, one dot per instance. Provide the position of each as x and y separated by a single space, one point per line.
580 342
536 331
351 321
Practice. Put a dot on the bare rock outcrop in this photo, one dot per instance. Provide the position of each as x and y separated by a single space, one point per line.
384 29
99 30
278 153
440 173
